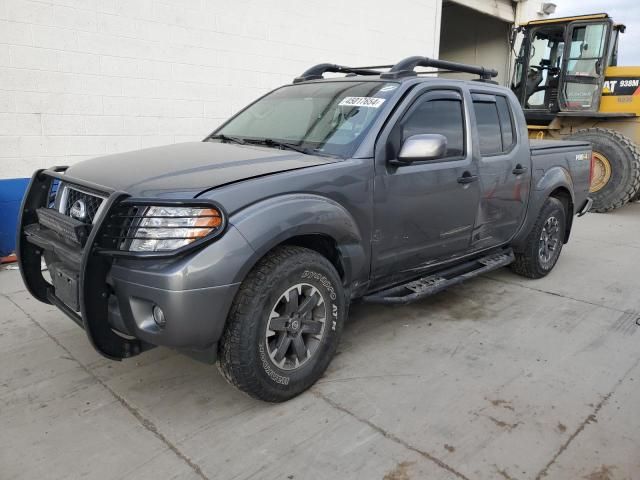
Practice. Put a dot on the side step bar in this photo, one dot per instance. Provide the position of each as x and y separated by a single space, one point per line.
426 286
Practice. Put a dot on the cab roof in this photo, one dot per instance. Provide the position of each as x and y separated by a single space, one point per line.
594 16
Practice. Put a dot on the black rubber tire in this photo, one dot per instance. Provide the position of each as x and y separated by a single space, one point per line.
527 262
243 360
624 157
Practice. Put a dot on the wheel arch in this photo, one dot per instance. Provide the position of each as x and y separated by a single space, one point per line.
557 183
564 195
310 221
324 244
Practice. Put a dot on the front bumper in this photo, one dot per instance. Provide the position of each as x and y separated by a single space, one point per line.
111 295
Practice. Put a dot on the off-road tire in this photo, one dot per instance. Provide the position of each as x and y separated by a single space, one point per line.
243 354
624 156
528 262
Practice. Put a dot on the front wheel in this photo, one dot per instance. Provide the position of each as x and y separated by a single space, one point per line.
544 242
284 325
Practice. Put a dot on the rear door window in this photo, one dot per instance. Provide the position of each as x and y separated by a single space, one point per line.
506 123
488 124
494 123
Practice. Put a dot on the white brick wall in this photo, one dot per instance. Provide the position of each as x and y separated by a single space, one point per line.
81 78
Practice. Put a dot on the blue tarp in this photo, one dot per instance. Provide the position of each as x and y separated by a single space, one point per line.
11 192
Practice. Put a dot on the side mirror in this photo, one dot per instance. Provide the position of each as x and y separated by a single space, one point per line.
427 146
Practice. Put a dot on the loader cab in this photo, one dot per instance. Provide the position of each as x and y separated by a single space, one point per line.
561 63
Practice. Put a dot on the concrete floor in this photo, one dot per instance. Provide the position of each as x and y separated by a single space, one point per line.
500 378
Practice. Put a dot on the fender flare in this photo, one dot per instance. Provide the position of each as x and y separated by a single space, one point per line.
554 178
273 221
542 188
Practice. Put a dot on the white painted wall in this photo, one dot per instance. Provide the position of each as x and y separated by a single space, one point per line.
502 9
528 10
81 78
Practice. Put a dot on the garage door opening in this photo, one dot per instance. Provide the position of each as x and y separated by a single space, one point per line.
468 36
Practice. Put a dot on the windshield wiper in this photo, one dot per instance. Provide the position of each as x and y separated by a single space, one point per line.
269 142
227 138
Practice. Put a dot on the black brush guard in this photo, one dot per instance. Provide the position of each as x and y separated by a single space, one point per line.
76 245
84 254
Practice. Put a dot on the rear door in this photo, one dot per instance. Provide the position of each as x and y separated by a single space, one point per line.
504 168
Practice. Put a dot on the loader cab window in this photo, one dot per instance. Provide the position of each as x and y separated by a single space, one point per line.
585 66
586 49
613 47
537 87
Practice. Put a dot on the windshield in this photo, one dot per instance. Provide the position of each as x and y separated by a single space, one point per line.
328 117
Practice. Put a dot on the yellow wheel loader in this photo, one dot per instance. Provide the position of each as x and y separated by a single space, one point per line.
570 86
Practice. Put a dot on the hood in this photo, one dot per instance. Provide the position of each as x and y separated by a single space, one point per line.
186 169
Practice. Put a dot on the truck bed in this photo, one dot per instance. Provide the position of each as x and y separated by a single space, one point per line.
573 157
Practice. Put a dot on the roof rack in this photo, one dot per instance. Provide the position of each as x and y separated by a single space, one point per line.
404 68
316 72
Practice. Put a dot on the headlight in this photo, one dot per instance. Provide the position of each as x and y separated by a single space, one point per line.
164 228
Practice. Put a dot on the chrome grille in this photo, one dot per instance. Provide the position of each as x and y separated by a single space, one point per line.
79 204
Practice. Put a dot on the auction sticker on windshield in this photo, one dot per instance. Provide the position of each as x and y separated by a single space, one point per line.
370 102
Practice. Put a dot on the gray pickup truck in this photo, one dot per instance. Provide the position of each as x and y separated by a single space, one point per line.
384 185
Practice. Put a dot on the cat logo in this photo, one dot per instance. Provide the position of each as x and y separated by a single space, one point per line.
621 86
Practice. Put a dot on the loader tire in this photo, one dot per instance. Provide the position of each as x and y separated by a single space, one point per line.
616 168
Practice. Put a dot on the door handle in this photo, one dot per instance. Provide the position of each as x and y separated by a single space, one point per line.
467 178
519 170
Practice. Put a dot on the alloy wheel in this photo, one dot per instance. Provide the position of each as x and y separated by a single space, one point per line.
549 243
296 326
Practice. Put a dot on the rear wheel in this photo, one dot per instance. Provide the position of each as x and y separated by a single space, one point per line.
544 242
284 325
616 168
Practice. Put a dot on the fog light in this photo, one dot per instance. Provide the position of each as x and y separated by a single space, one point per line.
158 316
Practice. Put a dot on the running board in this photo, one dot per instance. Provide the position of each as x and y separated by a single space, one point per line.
426 286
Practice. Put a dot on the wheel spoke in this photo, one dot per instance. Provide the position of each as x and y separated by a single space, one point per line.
278 324
292 301
282 347
300 348
311 326
308 304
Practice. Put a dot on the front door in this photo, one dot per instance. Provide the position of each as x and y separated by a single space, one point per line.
424 212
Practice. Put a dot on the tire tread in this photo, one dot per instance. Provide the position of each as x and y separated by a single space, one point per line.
235 348
526 260
632 191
